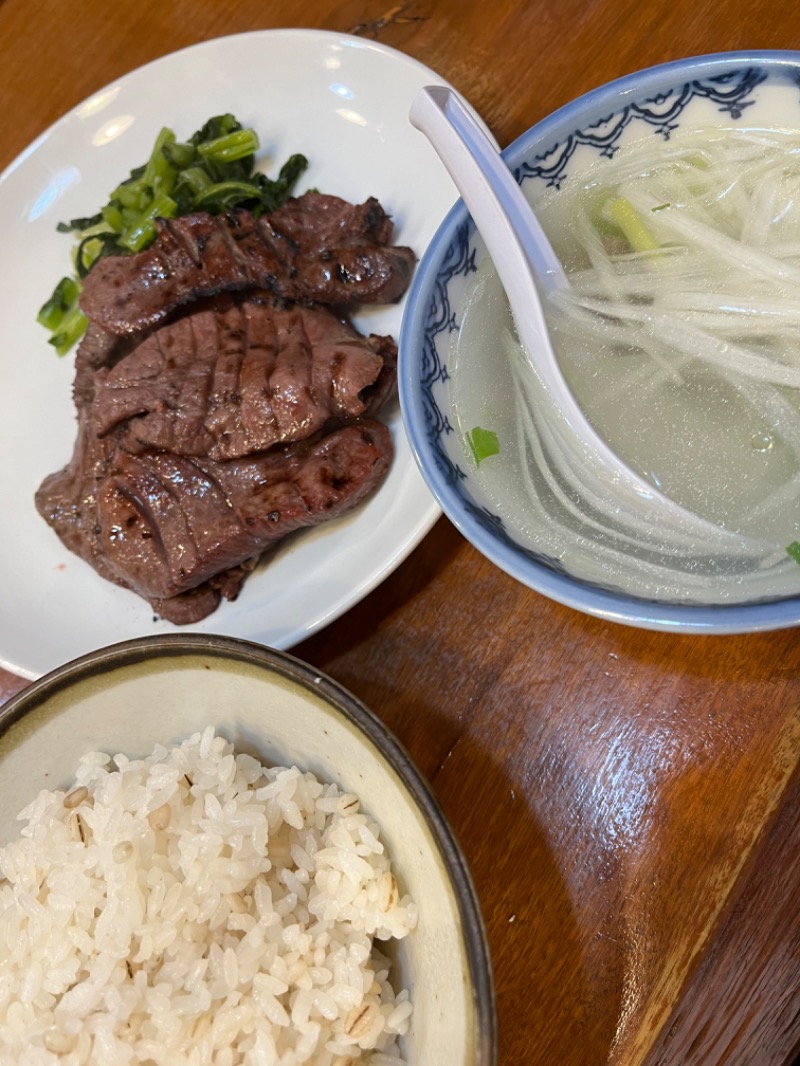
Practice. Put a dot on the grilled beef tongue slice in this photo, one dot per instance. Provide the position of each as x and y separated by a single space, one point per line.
67 499
170 527
316 248
241 376
334 222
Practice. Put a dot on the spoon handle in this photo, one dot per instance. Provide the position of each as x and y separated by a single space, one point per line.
440 114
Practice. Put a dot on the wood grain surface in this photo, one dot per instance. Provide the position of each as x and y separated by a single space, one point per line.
628 801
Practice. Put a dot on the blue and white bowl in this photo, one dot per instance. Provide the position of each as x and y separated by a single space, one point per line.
717 90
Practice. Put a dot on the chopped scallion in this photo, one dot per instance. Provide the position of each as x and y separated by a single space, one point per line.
214 171
482 443
71 329
51 314
627 218
230 148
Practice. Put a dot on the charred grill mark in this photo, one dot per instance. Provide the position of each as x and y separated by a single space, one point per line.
274 239
182 239
236 244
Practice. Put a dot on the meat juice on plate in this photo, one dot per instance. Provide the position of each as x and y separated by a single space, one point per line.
680 337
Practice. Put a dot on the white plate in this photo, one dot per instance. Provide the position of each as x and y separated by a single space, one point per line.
344 103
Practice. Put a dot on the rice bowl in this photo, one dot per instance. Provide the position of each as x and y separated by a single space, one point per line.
178 900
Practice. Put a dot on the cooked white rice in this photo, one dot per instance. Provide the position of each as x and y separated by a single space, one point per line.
197 907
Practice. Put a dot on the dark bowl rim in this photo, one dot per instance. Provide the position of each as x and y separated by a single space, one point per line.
663 616
378 734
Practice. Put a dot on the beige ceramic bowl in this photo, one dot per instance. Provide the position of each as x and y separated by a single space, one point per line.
131 696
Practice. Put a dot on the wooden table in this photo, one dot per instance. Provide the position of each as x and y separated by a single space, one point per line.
629 802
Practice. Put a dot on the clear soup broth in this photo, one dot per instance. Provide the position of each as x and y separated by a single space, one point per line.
680 337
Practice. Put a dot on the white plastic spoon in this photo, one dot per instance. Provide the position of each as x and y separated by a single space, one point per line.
529 269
